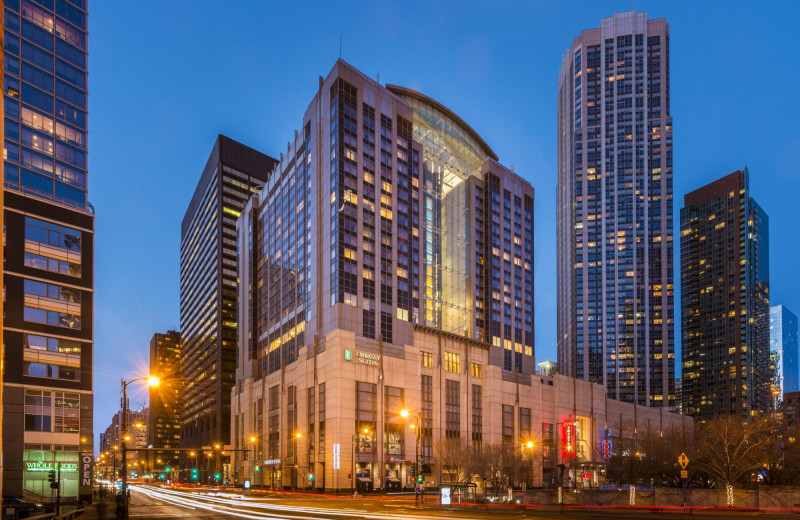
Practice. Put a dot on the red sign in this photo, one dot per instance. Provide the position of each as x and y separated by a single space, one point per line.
586 475
568 440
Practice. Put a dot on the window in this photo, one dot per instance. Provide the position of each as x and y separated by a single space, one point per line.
67 412
452 362
452 409
36 342
427 359
477 370
508 424
477 416
51 371
52 264
52 234
38 412
322 418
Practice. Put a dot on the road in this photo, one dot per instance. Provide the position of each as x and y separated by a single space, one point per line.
153 503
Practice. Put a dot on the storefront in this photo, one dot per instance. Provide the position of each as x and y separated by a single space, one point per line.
39 463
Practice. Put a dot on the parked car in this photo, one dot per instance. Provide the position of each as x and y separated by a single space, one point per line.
22 508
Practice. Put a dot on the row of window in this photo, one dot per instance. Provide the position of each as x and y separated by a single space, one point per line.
48 411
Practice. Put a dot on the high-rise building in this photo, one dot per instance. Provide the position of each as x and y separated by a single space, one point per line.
614 202
164 419
48 260
725 300
208 288
388 264
783 342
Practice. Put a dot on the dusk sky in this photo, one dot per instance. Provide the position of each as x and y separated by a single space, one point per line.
167 77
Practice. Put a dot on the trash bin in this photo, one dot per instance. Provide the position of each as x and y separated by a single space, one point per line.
363 485
393 484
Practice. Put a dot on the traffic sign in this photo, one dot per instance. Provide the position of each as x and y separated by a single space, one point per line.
684 473
683 460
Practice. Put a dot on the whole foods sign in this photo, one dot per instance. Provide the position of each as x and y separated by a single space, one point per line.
51 466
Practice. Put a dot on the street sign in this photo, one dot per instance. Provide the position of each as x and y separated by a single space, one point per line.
684 473
683 460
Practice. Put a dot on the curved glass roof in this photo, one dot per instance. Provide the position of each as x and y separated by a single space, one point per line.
448 140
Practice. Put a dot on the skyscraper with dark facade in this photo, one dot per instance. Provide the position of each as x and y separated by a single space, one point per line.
48 261
615 214
208 288
164 412
725 300
783 341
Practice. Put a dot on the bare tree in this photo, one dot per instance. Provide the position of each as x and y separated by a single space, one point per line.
501 465
460 463
728 449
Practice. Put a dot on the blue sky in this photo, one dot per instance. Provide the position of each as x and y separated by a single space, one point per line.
167 77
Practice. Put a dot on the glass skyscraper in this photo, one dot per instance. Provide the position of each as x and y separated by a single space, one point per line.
783 342
48 269
725 301
614 202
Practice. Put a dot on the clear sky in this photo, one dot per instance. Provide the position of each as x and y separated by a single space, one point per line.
167 77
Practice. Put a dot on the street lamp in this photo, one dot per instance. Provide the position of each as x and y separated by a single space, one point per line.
529 446
152 381
253 440
417 473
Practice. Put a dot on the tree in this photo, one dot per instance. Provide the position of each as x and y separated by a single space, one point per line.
501 465
460 463
728 449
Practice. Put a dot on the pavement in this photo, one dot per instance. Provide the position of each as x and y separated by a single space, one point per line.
151 503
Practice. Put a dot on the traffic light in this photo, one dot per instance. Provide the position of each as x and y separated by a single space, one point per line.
51 475
349 475
419 479
258 468
161 476
217 476
167 469
194 473
310 477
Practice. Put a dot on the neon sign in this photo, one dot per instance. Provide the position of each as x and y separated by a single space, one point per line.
605 445
568 436
48 466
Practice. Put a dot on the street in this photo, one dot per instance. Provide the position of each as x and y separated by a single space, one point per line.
151 502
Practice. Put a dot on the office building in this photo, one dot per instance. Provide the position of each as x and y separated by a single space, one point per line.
208 288
138 428
614 204
783 345
164 419
387 264
725 300
48 260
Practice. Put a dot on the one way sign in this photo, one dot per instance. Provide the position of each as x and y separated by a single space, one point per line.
683 460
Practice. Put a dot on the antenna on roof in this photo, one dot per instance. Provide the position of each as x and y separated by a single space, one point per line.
340 46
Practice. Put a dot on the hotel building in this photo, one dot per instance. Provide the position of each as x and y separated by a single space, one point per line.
387 265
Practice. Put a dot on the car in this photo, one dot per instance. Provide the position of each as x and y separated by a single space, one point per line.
22 508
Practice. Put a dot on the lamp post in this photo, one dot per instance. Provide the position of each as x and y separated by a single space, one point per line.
253 439
152 381
114 473
297 437
529 446
417 473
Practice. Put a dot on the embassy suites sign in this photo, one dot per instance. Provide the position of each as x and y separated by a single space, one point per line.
364 358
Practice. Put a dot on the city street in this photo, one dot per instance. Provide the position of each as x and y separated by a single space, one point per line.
150 502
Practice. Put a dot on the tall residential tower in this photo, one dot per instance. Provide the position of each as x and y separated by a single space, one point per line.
48 260
164 413
208 288
725 300
614 203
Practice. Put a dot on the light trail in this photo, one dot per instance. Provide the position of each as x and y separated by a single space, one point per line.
255 508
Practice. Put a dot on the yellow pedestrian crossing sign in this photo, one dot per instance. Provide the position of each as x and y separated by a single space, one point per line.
683 460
